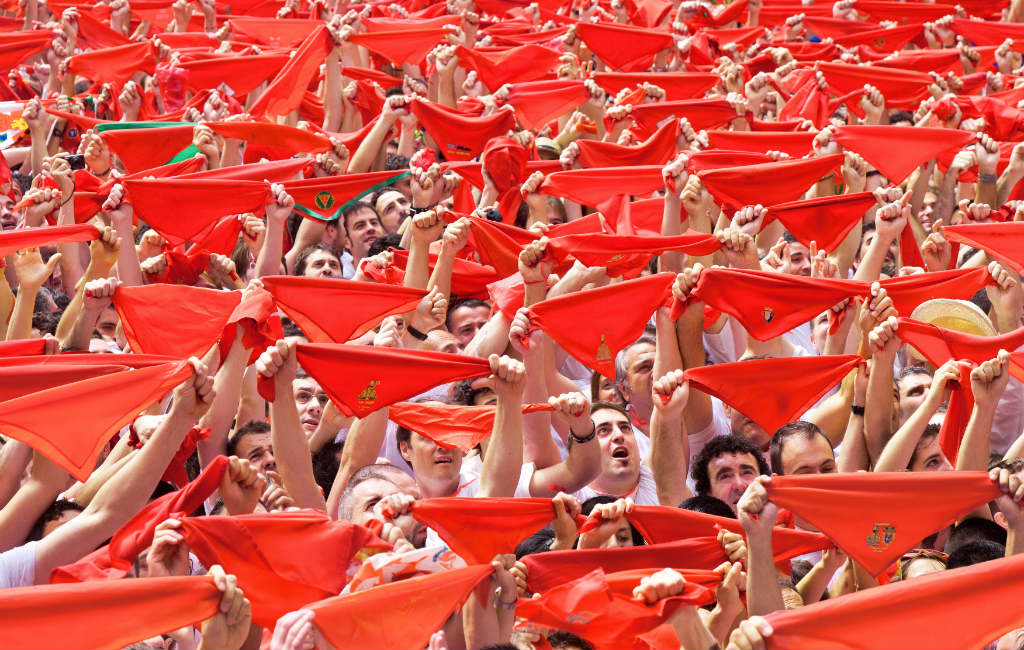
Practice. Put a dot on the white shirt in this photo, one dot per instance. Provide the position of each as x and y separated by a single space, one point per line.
644 494
18 566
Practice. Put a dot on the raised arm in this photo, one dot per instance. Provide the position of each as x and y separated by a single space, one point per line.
504 459
988 382
900 449
757 515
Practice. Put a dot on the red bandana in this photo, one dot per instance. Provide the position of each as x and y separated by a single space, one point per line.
180 321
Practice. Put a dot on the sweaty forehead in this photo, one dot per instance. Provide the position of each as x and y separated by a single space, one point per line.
305 383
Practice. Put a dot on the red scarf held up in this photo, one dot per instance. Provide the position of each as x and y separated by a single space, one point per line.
360 379
797 144
605 41
460 136
523 64
876 517
677 85
594 249
918 146
115 65
178 320
594 186
12 241
826 220
1004 241
261 326
538 102
401 45
767 184
451 426
658 149
359 306
140 149
285 91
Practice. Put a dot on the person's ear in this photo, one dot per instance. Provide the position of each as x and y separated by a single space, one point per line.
1000 519
403 448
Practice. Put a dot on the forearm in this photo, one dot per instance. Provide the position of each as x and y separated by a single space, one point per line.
813 585
34 497
291 450
490 339
111 465
368 149
1005 185
853 456
362 446
14 457
129 272
504 458
227 385
831 416
81 331
896 455
974 448
670 457
689 334
538 446
20 326
268 262
332 91
690 630
417 268
67 319
441 275
878 407
764 595
6 300
870 267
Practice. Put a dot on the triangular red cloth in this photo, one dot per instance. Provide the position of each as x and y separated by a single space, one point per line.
12 241
180 209
615 251
100 406
177 320
357 73
702 113
238 74
987 33
961 403
826 220
276 32
22 347
785 301
115 560
939 604
285 91
115 65
404 614
469 279
896 163
1004 241
324 198
586 326
499 244
20 380
876 517
141 149
82 358
275 136
767 183
704 160
451 426
796 144
656 150
525 63
605 40
938 344
261 326
115 614
594 186
361 379
357 307
12 54
882 40
589 608
89 203
260 550
478 529
553 568
903 89
401 46
677 85
460 136
773 392
539 102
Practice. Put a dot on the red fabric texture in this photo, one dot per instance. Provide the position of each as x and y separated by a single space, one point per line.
260 550
115 560
478 529
767 184
114 65
261 326
22 347
504 160
359 306
530 62
938 344
460 136
594 249
593 186
876 517
276 136
180 209
938 603
360 380
404 614
589 608
538 102
284 92
12 241
20 380
794 383
141 149
902 89
181 321
236 75
702 114
1004 241
276 32
324 198
826 220
402 45
677 85
918 146
605 41
796 144
111 615
658 149
593 334
451 426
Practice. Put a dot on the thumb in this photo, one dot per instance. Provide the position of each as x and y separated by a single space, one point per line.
52 262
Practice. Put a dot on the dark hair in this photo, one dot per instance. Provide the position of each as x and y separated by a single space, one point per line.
907 371
394 162
560 640
789 238
53 513
974 529
808 430
588 506
931 431
471 303
709 505
601 405
980 299
353 208
976 552
382 472
289 328
249 428
326 464
381 244
730 444
539 542
464 393
304 255
46 322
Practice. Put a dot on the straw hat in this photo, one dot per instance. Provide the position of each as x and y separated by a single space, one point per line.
957 315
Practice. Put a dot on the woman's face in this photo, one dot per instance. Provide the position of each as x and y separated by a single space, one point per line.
607 392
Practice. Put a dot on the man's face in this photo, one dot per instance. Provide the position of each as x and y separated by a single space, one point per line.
443 341
8 219
259 450
803 456
465 321
368 494
741 425
620 456
730 474
107 323
393 208
362 229
429 461
819 332
796 259
404 185
869 236
322 264
928 457
639 364
310 402
913 390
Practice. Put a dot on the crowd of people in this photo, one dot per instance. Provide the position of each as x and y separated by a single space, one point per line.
510 325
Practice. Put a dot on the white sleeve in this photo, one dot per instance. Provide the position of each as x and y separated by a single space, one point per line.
18 566
721 346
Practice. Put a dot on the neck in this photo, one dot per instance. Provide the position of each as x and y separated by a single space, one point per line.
433 488
617 486
641 406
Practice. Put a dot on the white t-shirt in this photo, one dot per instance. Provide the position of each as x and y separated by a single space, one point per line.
469 486
18 566
644 494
